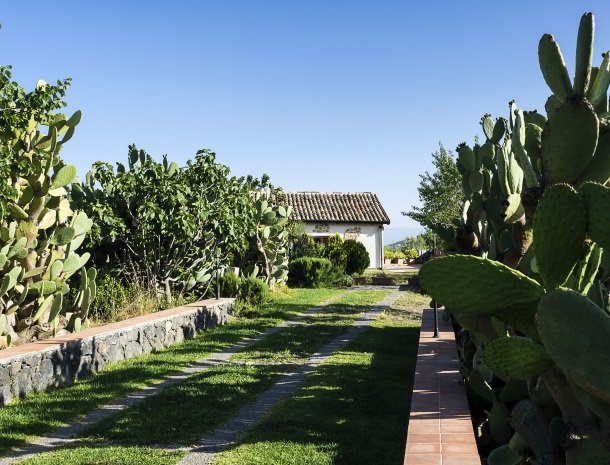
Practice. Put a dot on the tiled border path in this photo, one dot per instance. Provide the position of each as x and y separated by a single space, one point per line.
229 433
440 430
66 434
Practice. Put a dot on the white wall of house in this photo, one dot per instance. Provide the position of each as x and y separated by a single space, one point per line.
371 235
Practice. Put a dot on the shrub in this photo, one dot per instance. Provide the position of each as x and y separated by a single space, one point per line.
253 291
334 251
309 272
411 254
117 301
357 258
230 285
343 281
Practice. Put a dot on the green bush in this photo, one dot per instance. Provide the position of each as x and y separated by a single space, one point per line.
253 291
411 254
112 295
230 285
334 251
342 281
309 272
357 258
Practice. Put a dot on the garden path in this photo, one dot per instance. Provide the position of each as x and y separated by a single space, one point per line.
228 433
66 435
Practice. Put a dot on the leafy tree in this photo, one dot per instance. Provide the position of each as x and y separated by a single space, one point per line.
440 194
164 225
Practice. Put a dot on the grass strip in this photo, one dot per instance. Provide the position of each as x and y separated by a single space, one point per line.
42 412
106 455
352 410
300 342
182 413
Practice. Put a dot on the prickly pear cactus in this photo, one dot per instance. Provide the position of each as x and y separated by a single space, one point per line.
40 236
534 304
270 238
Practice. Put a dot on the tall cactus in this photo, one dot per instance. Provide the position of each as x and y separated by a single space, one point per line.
535 302
40 233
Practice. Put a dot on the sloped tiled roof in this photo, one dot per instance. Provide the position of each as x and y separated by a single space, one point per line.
337 207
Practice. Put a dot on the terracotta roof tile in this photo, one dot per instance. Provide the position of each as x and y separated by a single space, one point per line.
338 207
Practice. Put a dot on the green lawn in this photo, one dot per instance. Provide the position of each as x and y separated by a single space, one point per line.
352 410
107 455
182 413
40 413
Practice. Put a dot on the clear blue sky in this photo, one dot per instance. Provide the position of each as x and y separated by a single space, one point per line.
320 94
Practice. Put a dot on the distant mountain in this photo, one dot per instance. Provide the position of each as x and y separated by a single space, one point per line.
395 235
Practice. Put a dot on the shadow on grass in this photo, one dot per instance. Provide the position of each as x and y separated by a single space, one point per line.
184 412
42 412
354 408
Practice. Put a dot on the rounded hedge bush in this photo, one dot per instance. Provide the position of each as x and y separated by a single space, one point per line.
309 272
358 258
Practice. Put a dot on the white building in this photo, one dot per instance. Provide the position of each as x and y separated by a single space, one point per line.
352 215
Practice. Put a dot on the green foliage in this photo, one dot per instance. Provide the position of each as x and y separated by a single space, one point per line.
253 291
334 251
250 292
393 254
112 295
411 254
39 230
230 285
164 225
440 193
535 303
357 258
269 243
304 246
309 272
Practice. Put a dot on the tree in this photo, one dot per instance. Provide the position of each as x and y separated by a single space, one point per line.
440 194
165 225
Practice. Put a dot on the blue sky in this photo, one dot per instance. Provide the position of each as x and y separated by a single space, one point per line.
321 95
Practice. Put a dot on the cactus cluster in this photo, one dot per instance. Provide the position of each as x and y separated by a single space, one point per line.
39 239
534 302
270 238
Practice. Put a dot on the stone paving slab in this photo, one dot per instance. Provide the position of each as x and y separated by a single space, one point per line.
229 433
67 434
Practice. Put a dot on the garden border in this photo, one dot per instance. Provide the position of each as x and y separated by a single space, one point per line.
62 360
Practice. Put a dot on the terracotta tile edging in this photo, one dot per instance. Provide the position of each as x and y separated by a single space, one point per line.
61 360
440 430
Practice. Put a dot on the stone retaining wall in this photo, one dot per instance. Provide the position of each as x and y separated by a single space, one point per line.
62 360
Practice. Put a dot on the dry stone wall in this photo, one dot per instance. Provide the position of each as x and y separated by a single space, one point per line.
61 361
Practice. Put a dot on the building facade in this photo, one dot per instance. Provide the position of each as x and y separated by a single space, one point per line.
352 215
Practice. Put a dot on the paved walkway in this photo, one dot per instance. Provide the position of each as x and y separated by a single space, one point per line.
67 434
229 433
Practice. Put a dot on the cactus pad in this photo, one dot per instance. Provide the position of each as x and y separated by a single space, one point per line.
597 201
516 358
575 333
553 67
599 168
464 283
569 141
504 455
559 231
